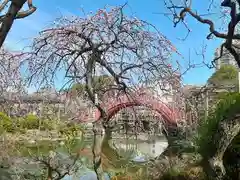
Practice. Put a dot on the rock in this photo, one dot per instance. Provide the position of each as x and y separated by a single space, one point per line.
91 175
61 143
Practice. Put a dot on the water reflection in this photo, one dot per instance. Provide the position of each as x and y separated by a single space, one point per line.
144 145
120 154
86 175
125 154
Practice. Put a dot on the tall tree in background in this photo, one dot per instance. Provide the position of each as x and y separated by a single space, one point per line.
101 85
222 81
226 76
12 13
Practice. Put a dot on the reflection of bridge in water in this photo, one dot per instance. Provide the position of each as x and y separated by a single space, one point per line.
128 154
147 146
141 132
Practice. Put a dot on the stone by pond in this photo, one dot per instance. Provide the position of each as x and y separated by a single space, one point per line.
88 175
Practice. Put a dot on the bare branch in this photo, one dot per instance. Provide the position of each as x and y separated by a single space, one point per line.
228 37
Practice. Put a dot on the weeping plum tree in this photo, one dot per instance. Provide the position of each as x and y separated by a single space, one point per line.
12 84
129 50
229 12
10 61
10 76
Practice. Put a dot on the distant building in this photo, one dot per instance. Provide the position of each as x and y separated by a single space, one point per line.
226 58
167 89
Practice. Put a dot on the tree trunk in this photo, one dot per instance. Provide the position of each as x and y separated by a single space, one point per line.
8 20
49 173
228 129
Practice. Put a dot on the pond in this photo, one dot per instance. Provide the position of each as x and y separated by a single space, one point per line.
120 154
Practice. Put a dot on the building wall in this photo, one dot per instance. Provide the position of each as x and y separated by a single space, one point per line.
166 91
226 58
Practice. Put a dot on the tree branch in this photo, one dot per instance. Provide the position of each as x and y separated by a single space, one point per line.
12 14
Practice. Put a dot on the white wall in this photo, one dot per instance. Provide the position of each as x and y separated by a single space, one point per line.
159 92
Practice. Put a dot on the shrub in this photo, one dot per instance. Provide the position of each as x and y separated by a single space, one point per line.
70 129
6 123
29 122
46 124
33 122
4 117
173 174
190 173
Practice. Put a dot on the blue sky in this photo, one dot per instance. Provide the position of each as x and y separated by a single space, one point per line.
24 30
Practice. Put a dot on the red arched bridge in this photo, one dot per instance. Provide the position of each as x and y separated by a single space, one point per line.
114 105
